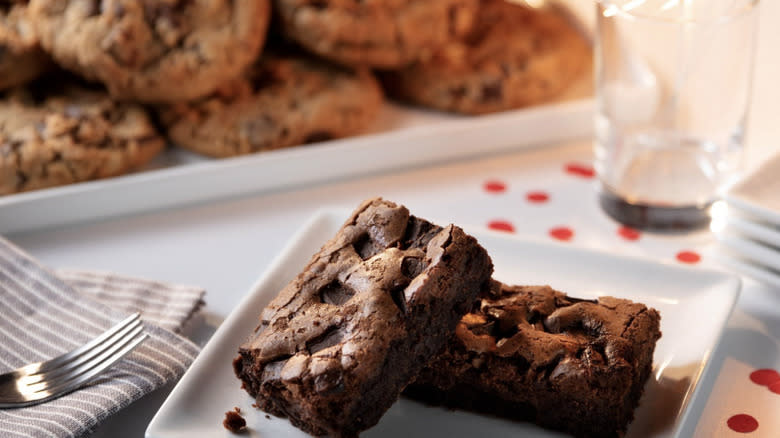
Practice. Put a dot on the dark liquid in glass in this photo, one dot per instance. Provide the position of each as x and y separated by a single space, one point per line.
653 217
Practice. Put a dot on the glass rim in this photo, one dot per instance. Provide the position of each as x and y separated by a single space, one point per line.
747 7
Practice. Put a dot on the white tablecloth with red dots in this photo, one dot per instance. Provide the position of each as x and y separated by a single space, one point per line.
545 193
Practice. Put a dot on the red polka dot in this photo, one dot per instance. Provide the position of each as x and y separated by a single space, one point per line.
495 187
580 170
765 377
688 257
628 233
562 233
742 423
499 225
537 197
775 387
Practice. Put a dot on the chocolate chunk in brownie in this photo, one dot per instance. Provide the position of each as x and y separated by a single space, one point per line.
532 353
335 348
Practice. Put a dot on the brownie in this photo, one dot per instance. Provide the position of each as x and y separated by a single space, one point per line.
532 353
336 347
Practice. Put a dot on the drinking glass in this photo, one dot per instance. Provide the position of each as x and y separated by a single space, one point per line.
673 86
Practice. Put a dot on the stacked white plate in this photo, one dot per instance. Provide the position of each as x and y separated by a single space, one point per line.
748 225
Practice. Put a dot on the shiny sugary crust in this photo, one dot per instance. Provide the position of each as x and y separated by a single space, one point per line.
283 100
532 353
153 50
515 56
374 33
338 344
70 135
21 59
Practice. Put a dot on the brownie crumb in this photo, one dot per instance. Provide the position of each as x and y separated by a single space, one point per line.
267 416
233 421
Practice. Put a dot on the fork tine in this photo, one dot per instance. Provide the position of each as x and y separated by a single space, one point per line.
49 380
75 382
67 357
128 332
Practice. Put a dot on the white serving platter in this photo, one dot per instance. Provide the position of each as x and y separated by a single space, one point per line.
197 404
402 138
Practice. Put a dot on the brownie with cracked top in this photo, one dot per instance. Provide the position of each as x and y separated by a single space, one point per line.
532 353
336 347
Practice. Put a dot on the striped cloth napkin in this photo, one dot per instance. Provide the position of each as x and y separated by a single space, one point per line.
44 314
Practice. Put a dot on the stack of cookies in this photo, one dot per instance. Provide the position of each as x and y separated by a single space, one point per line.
201 73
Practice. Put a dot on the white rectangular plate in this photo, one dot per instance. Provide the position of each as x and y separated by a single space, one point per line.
197 405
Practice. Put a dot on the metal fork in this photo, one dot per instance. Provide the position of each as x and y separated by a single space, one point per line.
38 382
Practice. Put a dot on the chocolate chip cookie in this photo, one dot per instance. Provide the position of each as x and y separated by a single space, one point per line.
21 59
52 135
153 50
514 57
283 100
375 33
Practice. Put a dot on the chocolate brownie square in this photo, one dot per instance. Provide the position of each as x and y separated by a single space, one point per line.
532 353
336 347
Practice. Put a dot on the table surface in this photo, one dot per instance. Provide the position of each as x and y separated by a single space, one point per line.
546 192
